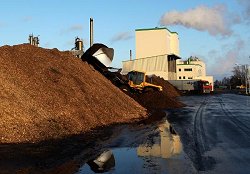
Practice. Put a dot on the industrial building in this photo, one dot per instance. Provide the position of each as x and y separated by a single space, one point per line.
193 68
157 50
78 50
34 40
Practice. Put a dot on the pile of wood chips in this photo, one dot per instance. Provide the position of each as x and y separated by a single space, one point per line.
47 94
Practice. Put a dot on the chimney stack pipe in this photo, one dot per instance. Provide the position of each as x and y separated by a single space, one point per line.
130 54
91 32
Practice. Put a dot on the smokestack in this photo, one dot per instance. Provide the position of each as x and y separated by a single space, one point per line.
31 39
130 54
91 32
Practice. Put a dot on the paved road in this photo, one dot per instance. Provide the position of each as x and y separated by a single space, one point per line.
215 132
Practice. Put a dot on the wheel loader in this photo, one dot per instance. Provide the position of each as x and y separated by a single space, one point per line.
100 57
137 81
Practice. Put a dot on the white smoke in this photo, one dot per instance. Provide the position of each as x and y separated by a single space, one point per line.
213 20
73 28
122 36
76 27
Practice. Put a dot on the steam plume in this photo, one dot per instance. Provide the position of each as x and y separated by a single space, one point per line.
202 18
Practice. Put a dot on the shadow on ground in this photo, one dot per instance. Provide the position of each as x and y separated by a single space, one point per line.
63 155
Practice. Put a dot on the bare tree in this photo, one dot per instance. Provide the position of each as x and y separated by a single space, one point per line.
239 74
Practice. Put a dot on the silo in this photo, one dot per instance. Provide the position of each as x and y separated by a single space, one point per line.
78 44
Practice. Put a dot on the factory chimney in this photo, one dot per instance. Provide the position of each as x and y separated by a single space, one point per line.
31 39
34 40
91 32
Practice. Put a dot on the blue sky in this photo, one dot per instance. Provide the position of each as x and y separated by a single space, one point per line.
216 31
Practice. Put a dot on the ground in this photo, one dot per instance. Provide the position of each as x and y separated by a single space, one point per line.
209 135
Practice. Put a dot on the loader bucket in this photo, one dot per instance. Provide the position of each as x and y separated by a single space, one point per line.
104 55
101 53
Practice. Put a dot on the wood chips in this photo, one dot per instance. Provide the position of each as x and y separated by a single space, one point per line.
48 94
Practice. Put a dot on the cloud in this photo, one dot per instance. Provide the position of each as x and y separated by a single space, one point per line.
224 62
122 36
27 18
246 6
73 28
216 20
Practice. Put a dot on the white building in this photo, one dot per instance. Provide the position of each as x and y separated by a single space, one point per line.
156 52
193 68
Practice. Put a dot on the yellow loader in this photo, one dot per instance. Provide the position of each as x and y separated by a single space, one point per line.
137 82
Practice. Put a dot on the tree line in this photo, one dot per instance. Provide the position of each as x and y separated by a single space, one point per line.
237 80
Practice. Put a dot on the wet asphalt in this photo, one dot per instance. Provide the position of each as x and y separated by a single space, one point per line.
215 132
210 135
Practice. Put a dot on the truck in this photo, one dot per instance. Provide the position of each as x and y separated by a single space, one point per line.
192 86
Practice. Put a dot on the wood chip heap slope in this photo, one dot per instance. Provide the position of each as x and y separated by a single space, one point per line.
47 94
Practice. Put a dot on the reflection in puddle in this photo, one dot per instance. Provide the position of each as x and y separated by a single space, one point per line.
169 145
103 163
161 153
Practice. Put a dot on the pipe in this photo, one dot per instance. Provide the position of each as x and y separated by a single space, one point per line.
31 39
246 77
91 32
130 54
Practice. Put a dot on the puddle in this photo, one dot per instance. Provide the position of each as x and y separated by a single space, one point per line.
162 153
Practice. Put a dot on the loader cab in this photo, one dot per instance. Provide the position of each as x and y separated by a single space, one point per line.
136 77
137 81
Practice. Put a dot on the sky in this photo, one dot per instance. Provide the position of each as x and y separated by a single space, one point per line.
216 31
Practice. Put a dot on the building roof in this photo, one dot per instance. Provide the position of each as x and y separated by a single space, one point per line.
156 28
174 56
190 64
151 57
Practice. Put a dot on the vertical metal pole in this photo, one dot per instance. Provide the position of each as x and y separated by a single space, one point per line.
130 54
248 84
246 77
91 32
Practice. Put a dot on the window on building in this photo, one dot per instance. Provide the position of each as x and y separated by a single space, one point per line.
179 77
188 69
190 77
184 77
179 69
